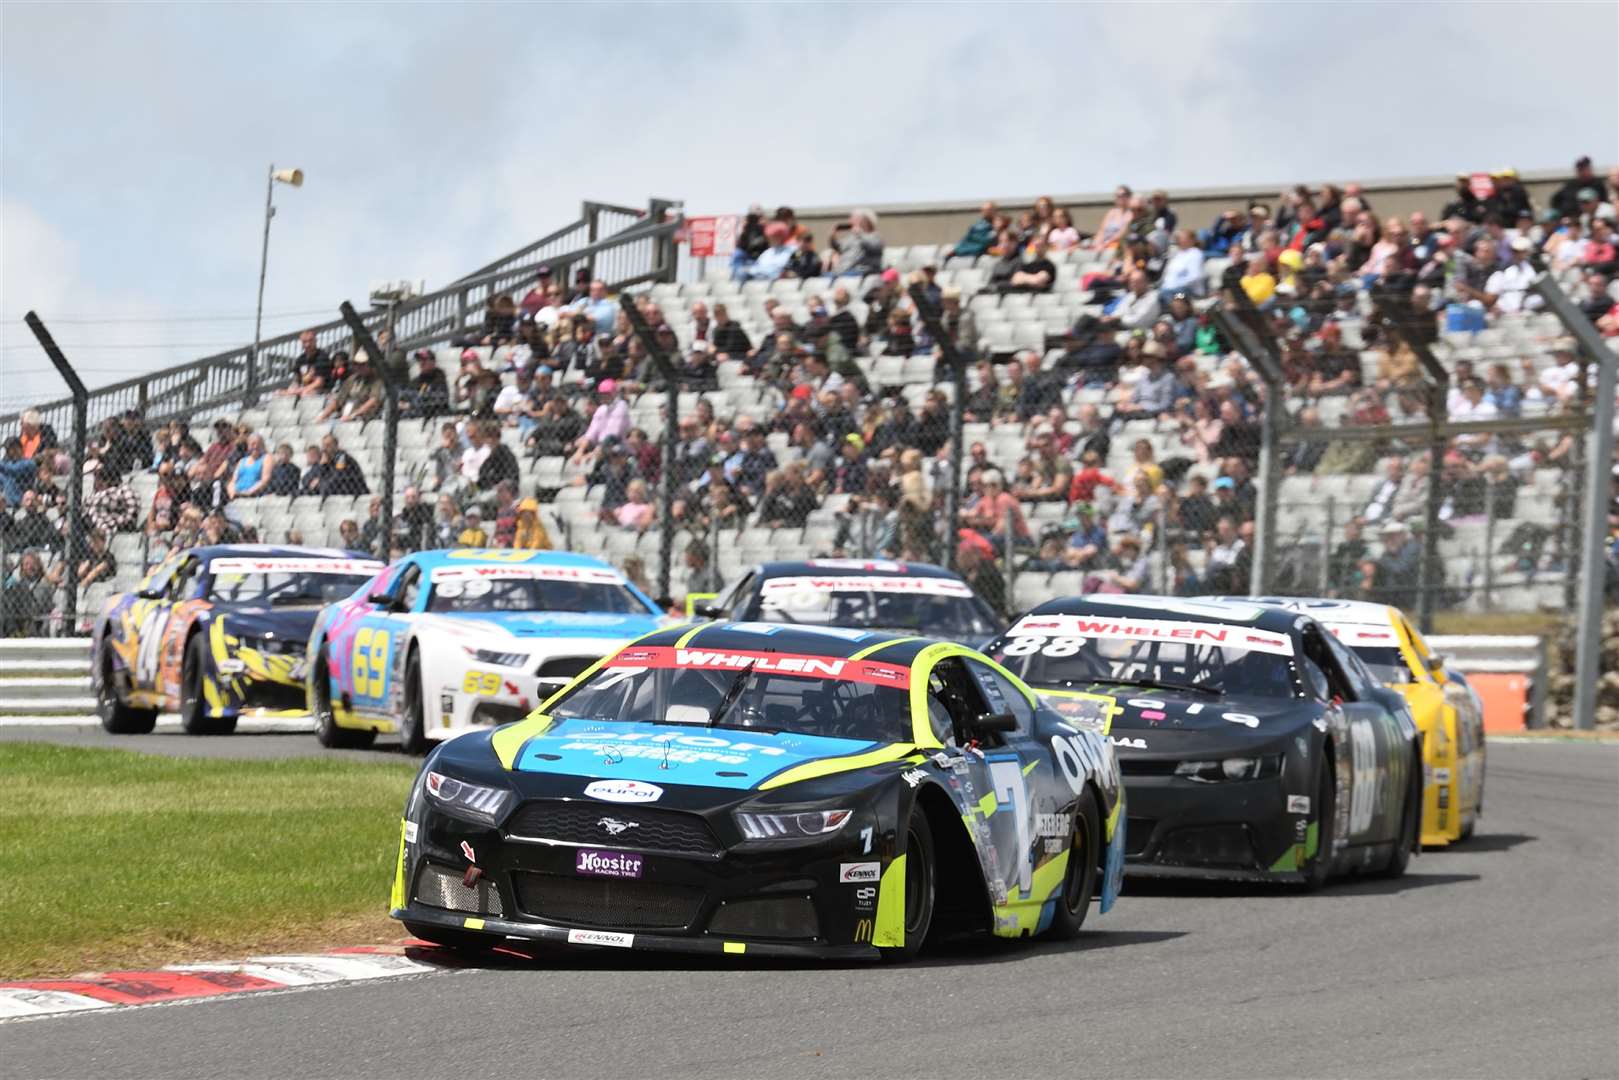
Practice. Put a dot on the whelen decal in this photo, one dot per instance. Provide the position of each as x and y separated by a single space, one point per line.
1191 633
1353 634
589 575
921 586
363 567
817 667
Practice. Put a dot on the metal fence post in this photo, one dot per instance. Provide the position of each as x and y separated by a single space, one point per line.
671 425
1489 543
1325 578
946 339
1598 478
1237 328
75 484
390 408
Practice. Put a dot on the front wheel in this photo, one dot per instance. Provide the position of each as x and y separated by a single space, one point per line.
193 704
1320 865
919 887
1410 824
116 717
326 730
413 732
1079 883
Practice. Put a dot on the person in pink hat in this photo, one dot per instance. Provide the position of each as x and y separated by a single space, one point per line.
612 417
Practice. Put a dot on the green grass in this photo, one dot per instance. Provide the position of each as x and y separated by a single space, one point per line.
111 859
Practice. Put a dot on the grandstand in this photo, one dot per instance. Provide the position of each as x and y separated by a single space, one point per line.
1057 351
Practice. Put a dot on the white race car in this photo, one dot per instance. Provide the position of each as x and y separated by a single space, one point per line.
444 642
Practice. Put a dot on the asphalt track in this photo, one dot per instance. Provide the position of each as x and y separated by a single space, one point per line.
1496 958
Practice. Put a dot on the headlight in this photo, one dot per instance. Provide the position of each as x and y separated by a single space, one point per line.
791 826
499 659
1231 768
466 800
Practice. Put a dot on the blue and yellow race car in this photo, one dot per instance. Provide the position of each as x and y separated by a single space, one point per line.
756 788
216 632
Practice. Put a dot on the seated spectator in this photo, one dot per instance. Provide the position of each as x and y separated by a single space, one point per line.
446 524
428 394
530 534
1508 288
1062 236
535 298
17 473
313 478
1257 280
311 369
114 507
730 341
1228 564
858 248
252 475
775 258
282 474
1183 272
990 514
342 474
1111 231
851 470
472 534
805 261
611 418
701 574
1137 309
1154 392
1137 510
412 526
636 511
375 533
978 237
1035 273
360 396
29 599
1130 571
499 324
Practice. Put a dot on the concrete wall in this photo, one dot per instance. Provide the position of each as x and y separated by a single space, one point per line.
944 222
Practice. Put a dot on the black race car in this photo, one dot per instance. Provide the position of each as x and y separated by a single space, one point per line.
760 789
1254 744
215 632
907 597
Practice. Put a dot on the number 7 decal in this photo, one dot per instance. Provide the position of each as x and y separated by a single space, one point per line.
1006 777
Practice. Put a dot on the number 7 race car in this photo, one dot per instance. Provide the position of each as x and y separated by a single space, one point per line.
443 642
215 632
1254 743
1446 709
753 788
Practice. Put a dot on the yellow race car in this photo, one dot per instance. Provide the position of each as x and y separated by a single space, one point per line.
1445 707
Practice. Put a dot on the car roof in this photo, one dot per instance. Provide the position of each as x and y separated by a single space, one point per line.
1179 609
505 557
834 642
854 567
277 551
1334 612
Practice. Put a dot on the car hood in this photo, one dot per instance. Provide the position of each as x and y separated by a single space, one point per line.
675 755
261 622
528 624
1167 720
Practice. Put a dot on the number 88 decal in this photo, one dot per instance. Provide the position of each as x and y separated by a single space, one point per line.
1030 644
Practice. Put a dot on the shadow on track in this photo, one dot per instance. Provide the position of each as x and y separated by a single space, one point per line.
952 952
1482 842
1265 890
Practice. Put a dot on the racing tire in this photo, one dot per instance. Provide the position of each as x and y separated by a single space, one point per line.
465 941
1478 810
194 716
1410 827
326 730
1079 884
116 717
1326 814
413 726
921 879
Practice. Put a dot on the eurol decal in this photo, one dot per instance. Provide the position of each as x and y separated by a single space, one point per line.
619 864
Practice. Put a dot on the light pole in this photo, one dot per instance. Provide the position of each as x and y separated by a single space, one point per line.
295 177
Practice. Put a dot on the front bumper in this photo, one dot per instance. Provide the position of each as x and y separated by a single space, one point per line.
688 891
250 681
1239 830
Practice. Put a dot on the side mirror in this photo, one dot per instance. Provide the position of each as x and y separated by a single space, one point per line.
1435 662
697 604
708 611
151 594
380 598
995 722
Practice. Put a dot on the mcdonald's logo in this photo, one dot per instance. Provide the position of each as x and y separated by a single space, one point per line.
862 930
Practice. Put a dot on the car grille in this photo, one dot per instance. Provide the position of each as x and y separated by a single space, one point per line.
581 823
257 694
1138 834
1141 767
637 905
439 887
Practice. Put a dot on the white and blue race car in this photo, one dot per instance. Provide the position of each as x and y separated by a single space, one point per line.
445 642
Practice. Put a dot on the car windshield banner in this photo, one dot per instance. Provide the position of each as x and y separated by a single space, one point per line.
279 565
916 586
588 575
1185 633
642 657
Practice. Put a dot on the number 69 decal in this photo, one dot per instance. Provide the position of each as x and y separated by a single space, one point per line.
370 661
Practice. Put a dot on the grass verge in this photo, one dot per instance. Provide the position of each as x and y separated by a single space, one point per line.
111 859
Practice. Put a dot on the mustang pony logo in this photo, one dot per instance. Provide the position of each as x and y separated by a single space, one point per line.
615 826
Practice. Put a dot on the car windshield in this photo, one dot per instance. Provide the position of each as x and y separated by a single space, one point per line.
761 691
287 582
532 588
1386 663
1065 651
935 606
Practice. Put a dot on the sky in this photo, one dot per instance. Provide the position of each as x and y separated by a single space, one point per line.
135 138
